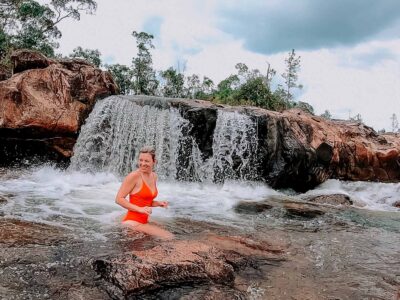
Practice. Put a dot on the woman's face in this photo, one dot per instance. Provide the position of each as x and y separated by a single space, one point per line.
146 162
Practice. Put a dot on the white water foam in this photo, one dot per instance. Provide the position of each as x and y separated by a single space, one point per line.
370 195
80 200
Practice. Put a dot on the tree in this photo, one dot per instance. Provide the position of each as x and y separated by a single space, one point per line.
92 56
394 123
226 88
254 92
305 107
327 115
356 118
173 84
270 74
31 25
122 76
145 81
291 74
193 86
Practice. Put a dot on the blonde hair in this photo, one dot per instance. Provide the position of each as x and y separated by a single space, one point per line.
150 150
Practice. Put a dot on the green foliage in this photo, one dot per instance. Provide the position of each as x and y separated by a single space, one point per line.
226 88
327 115
92 56
250 87
173 85
145 81
254 92
122 76
31 25
197 89
305 107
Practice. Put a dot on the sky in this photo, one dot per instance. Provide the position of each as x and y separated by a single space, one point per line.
349 49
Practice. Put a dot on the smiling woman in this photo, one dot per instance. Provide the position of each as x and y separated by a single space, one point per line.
141 187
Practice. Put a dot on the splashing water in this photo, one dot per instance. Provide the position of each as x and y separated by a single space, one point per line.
370 195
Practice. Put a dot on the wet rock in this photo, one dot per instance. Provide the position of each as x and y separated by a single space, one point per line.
247 246
18 233
3 200
252 207
397 204
335 199
165 265
181 263
303 210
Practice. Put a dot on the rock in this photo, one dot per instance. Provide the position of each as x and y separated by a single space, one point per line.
397 204
179 264
303 210
252 207
17 233
44 104
3 200
27 59
5 72
335 199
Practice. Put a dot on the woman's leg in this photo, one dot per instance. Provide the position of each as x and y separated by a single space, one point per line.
149 229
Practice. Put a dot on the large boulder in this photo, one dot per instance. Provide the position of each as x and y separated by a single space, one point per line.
213 261
44 103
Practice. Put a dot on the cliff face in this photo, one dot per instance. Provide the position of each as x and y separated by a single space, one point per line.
300 151
44 103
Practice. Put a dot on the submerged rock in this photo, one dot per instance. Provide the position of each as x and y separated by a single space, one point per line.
303 210
252 207
18 233
335 199
3 200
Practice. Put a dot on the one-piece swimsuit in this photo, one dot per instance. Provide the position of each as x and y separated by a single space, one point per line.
144 197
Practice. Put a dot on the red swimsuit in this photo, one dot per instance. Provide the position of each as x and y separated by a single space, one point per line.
142 198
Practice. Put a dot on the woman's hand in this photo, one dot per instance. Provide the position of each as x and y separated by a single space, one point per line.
163 204
145 210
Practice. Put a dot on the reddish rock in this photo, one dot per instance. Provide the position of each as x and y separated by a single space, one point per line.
343 149
46 101
27 59
179 263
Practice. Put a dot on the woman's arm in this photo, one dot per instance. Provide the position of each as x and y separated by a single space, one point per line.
126 187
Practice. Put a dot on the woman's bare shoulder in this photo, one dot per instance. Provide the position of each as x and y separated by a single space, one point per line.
133 176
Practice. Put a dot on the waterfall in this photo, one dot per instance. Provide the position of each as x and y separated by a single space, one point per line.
118 127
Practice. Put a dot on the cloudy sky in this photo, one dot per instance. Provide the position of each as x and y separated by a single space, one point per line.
350 49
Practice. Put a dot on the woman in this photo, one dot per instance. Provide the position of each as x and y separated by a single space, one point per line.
141 187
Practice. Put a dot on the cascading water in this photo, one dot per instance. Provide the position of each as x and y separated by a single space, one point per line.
118 127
